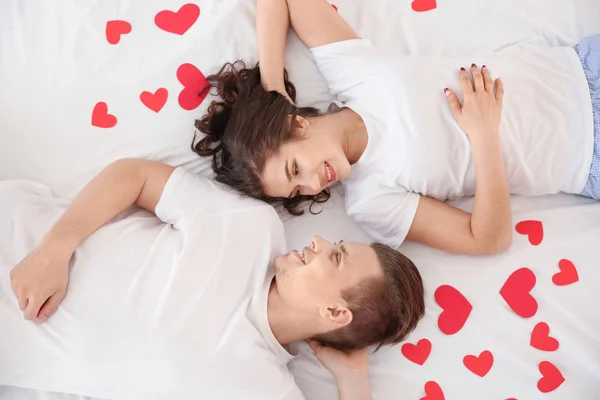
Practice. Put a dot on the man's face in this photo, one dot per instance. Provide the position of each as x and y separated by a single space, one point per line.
314 278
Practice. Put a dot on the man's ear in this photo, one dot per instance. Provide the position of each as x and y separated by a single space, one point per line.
337 314
302 125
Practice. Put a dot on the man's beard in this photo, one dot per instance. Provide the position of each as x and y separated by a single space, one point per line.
280 272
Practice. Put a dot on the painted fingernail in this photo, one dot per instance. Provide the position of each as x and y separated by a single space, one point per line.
447 92
473 65
462 69
483 66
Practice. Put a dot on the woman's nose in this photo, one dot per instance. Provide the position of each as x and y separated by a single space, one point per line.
313 182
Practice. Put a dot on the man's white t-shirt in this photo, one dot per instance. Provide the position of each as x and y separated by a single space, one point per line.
415 145
174 310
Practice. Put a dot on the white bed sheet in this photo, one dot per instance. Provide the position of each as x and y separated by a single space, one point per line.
56 64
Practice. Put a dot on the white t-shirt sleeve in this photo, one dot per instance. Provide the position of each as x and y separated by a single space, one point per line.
387 218
350 67
187 195
294 394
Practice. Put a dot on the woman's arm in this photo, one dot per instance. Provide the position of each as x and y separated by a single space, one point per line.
39 281
272 25
349 369
316 23
488 229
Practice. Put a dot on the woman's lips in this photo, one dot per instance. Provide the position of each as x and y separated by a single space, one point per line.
330 174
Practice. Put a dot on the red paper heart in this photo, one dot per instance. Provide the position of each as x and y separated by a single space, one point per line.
456 309
479 365
334 7
516 292
551 377
423 5
194 83
541 339
155 101
533 229
417 353
567 275
101 118
433 391
116 28
178 22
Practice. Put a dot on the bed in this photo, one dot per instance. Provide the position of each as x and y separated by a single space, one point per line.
85 83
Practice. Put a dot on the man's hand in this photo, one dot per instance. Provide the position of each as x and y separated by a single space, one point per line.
40 282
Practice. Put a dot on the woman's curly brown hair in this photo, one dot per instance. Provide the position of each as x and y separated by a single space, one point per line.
245 127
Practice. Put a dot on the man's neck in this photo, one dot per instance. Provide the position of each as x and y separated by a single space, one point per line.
287 326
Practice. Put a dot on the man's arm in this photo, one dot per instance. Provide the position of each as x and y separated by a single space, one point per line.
122 184
40 280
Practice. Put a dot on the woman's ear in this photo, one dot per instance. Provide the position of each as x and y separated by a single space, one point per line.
302 125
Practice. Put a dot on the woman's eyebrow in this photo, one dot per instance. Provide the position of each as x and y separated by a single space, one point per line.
289 178
287 172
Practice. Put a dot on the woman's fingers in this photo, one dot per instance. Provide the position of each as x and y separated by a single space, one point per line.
488 82
465 81
454 103
499 90
477 78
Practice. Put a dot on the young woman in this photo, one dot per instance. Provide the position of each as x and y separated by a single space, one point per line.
401 142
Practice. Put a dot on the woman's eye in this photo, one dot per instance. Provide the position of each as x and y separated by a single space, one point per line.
296 169
338 257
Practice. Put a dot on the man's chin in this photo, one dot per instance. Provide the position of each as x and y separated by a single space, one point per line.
279 270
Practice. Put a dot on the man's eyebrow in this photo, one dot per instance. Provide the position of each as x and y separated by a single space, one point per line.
344 252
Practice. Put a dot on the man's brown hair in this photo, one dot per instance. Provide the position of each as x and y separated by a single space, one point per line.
385 309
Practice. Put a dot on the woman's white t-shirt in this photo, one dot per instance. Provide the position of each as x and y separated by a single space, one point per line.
416 147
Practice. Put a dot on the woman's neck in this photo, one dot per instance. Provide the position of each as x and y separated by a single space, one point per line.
347 128
354 134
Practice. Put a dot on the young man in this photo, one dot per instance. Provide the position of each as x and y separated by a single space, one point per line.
168 309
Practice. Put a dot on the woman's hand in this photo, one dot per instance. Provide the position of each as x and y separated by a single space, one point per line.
40 282
342 365
489 229
276 87
350 370
480 114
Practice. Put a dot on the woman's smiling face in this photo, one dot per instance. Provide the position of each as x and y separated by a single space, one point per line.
305 165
